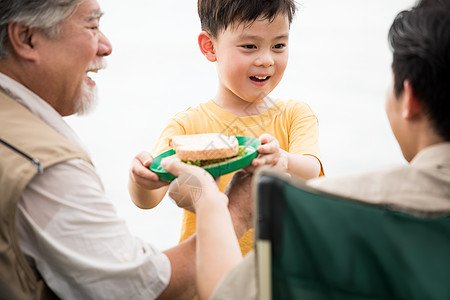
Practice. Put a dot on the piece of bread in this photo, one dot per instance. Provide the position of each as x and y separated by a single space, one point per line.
204 146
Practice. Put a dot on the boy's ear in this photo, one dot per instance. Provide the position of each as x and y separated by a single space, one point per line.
21 40
412 108
206 44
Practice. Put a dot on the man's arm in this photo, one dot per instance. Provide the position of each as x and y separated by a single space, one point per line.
70 227
182 284
217 236
241 204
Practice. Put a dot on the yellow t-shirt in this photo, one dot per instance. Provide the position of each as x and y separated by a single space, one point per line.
292 123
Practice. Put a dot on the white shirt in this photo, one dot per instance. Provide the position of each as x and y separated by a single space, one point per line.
80 246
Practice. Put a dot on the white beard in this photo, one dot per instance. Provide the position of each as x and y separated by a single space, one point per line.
87 100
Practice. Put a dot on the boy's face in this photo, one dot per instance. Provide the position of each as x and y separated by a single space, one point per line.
251 60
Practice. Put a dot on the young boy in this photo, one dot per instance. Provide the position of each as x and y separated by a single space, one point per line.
248 41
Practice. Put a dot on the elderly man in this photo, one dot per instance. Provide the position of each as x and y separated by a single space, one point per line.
59 235
418 109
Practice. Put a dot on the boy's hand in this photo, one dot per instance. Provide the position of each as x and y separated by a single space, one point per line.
141 175
270 153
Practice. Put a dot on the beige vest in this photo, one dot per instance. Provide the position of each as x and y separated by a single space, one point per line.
36 140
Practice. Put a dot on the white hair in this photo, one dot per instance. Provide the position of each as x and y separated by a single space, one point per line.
46 15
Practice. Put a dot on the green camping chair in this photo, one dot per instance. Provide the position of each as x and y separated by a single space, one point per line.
313 246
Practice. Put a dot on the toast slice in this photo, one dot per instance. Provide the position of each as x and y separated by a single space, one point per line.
204 146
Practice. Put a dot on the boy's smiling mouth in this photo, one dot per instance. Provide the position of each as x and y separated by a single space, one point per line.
259 78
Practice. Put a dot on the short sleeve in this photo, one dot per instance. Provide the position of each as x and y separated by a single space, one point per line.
173 128
304 130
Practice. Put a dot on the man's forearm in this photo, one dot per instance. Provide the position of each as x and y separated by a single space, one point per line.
182 283
241 207
217 245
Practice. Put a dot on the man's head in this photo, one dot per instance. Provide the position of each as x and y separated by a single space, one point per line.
418 107
45 15
49 46
218 15
420 41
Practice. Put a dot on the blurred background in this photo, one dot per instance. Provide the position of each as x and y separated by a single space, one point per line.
339 64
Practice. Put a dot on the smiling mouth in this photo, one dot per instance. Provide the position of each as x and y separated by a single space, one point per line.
259 78
89 73
94 67
92 71
90 81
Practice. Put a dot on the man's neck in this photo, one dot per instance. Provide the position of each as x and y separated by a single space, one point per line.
423 136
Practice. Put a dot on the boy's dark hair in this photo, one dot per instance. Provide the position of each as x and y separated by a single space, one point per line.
217 15
420 41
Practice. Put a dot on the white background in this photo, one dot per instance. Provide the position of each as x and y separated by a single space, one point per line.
339 64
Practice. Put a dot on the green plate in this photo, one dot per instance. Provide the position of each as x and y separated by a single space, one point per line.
215 170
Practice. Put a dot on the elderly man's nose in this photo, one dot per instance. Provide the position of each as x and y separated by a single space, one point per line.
104 46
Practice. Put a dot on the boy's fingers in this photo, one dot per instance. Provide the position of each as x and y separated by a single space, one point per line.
153 176
142 174
267 149
269 159
145 158
266 138
138 170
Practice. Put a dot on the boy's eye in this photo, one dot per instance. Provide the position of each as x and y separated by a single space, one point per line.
279 46
249 46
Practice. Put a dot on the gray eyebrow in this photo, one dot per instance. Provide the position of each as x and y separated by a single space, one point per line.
95 15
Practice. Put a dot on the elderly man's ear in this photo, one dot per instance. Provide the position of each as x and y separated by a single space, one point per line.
21 40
